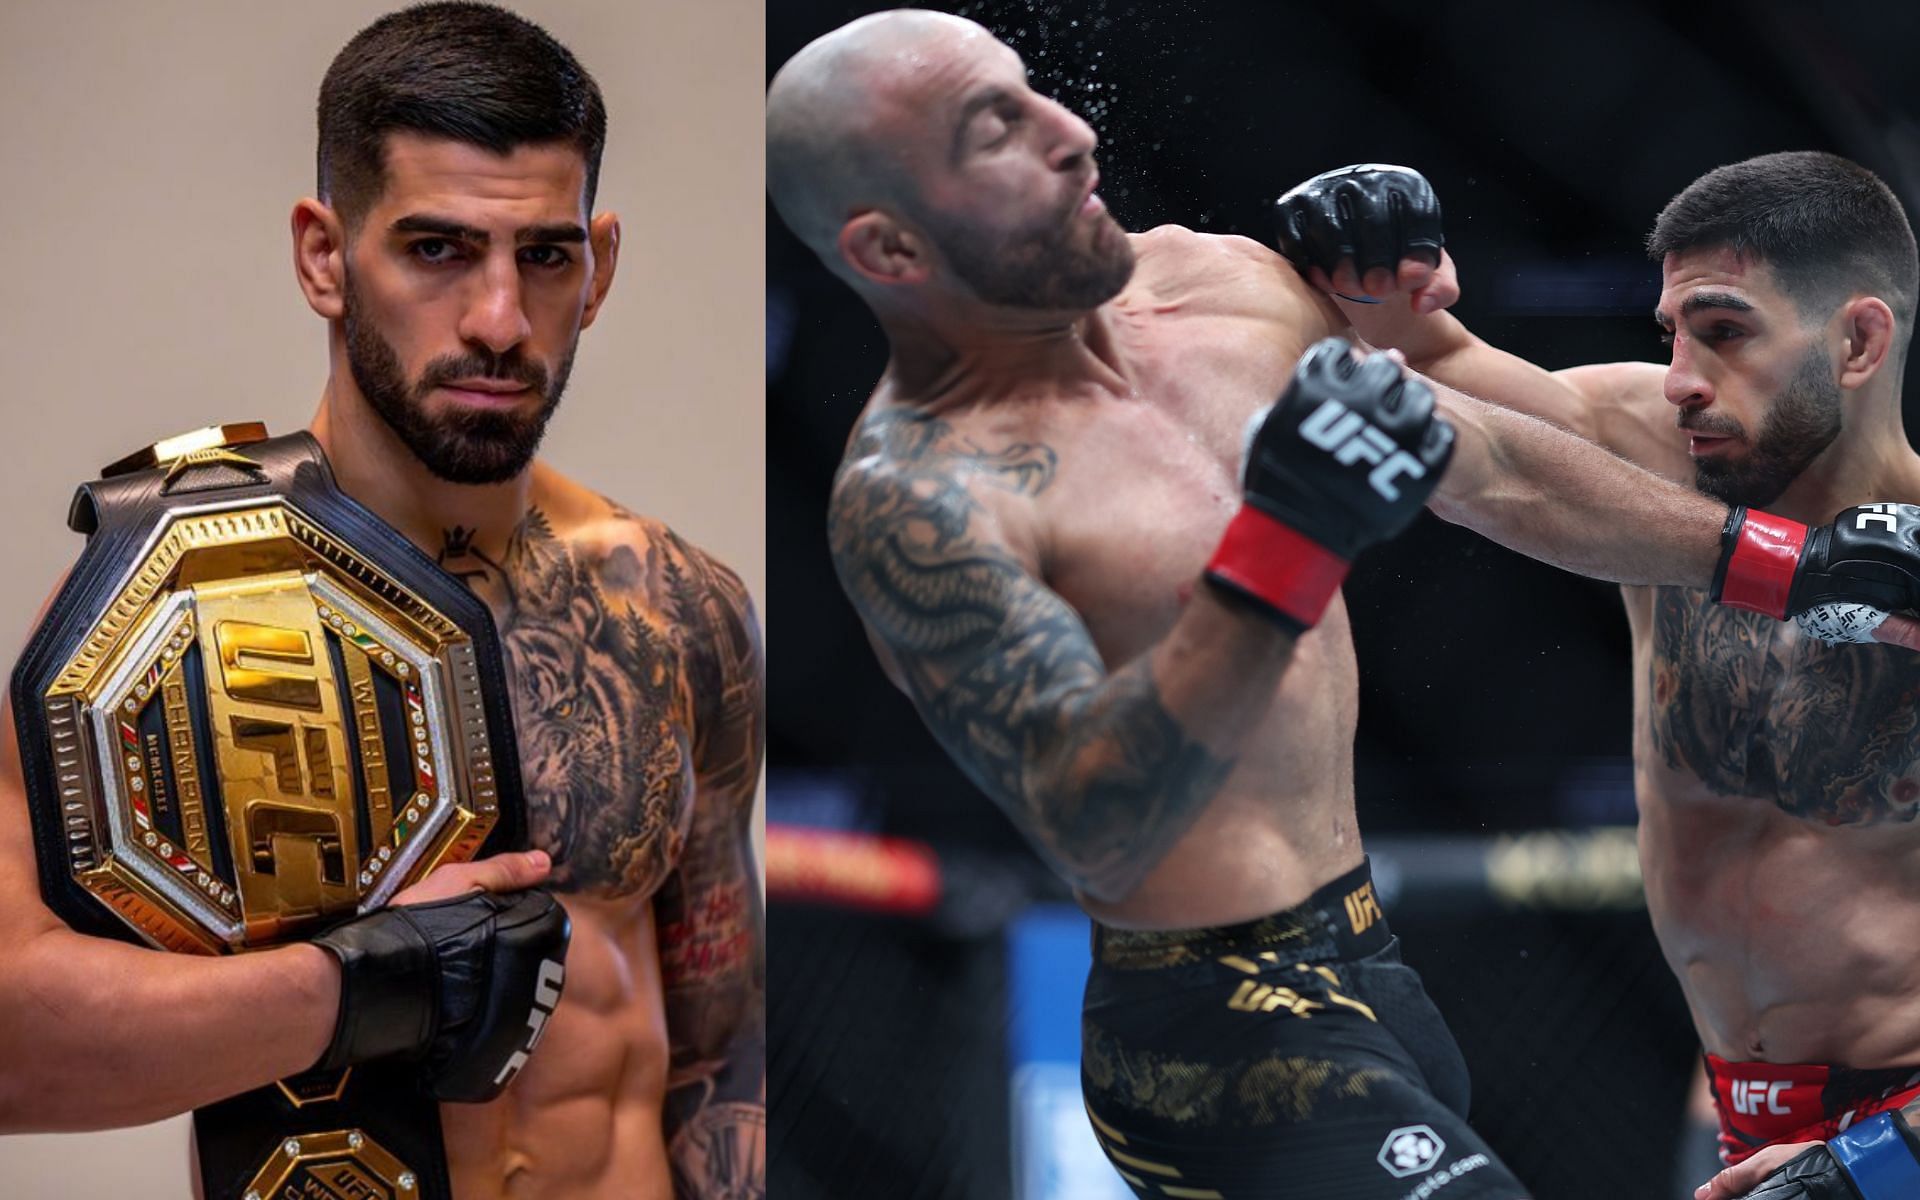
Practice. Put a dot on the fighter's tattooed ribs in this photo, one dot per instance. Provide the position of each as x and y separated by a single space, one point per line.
1828 733
1002 669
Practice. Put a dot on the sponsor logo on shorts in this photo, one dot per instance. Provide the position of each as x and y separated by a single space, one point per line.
1362 909
1440 1179
1410 1150
1750 1094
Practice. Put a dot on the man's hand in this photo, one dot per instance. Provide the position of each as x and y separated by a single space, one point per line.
1737 1181
1367 234
1869 555
1346 458
514 872
459 973
1875 1159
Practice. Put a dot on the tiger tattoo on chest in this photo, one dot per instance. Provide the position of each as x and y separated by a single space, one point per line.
599 666
1828 733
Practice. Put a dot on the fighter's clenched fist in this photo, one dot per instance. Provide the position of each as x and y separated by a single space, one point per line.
1363 227
1344 459
1870 555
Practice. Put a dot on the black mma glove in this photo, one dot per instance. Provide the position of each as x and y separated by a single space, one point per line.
1878 1159
1346 458
1869 555
463 986
1374 214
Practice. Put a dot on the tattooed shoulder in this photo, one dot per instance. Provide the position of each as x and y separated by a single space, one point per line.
1753 708
610 634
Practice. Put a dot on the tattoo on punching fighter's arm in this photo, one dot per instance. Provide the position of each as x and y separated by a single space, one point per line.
1003 671
708 913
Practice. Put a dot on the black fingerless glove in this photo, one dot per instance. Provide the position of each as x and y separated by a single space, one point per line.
463 986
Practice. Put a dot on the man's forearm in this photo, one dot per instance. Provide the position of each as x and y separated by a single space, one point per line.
1539 490
101 1034
1110 770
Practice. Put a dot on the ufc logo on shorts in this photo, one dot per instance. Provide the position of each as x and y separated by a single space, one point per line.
1350 438
1749 1094
1877 514
546 995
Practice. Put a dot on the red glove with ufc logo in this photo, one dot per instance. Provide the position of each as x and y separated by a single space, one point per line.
1870 555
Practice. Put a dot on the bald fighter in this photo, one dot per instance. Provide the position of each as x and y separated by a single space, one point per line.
1135 644
1777 768
454 255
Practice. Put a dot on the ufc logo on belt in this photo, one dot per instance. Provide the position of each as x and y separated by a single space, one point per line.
1351 438
1749 1094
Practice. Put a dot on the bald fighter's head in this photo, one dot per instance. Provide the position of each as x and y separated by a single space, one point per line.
908 152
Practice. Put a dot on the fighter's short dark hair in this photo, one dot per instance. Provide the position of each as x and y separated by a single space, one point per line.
473 73
1826 226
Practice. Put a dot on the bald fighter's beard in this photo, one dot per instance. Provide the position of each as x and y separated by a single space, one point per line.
1804 421
462 445
1041 267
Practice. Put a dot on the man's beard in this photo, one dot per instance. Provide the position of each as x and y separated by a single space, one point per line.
463 445
1040 268
1804 420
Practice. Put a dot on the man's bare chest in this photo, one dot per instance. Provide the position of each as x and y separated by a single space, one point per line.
600 690
1144 487
1753 708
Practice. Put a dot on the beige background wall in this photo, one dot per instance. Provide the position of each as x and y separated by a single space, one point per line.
150 151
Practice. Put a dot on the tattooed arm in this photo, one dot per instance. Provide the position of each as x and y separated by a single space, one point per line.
709 911
1102 771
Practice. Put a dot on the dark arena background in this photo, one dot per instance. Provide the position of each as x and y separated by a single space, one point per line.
925 969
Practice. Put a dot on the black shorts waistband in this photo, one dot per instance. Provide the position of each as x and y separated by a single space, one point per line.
1341 920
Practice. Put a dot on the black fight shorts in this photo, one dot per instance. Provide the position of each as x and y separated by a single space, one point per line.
1293 1056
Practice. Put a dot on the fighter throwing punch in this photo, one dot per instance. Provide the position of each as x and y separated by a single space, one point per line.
1767 756
1121 616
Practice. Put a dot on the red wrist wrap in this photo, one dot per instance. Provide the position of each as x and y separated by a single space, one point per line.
1278 565
1760 572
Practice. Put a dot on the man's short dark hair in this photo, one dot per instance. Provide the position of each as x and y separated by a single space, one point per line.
1826 226
473 73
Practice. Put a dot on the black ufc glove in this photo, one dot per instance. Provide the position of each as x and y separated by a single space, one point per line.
1878 1159
1869 555
463 986
1374 214
1346 458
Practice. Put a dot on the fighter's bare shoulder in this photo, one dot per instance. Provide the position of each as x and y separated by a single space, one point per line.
638 564
1235 272
1624 408
932 486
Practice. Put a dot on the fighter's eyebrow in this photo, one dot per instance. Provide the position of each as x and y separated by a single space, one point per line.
1699 300
972 108
422 223
563 231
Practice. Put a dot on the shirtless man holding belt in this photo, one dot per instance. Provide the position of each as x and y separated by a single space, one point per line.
455 255
1024 520
1777 773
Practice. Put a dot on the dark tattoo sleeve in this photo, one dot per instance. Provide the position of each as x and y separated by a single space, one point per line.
1092 766
708 913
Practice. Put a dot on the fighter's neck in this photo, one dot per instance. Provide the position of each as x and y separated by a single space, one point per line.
374 466
1863 466
946 363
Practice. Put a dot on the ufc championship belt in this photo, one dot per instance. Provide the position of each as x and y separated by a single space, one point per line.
255 710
